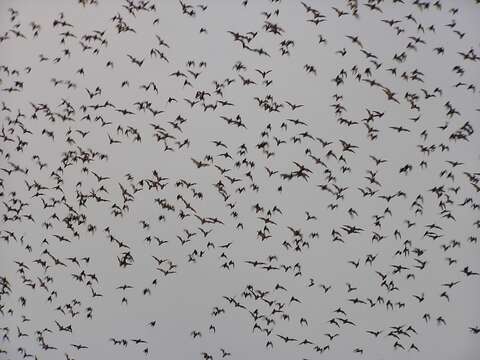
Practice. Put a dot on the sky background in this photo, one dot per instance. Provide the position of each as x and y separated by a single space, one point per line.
183 302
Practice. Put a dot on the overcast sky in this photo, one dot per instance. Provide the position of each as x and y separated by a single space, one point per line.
183 301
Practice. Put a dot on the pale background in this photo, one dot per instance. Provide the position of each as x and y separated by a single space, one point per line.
183 302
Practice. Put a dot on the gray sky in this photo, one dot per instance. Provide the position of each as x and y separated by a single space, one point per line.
183 301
